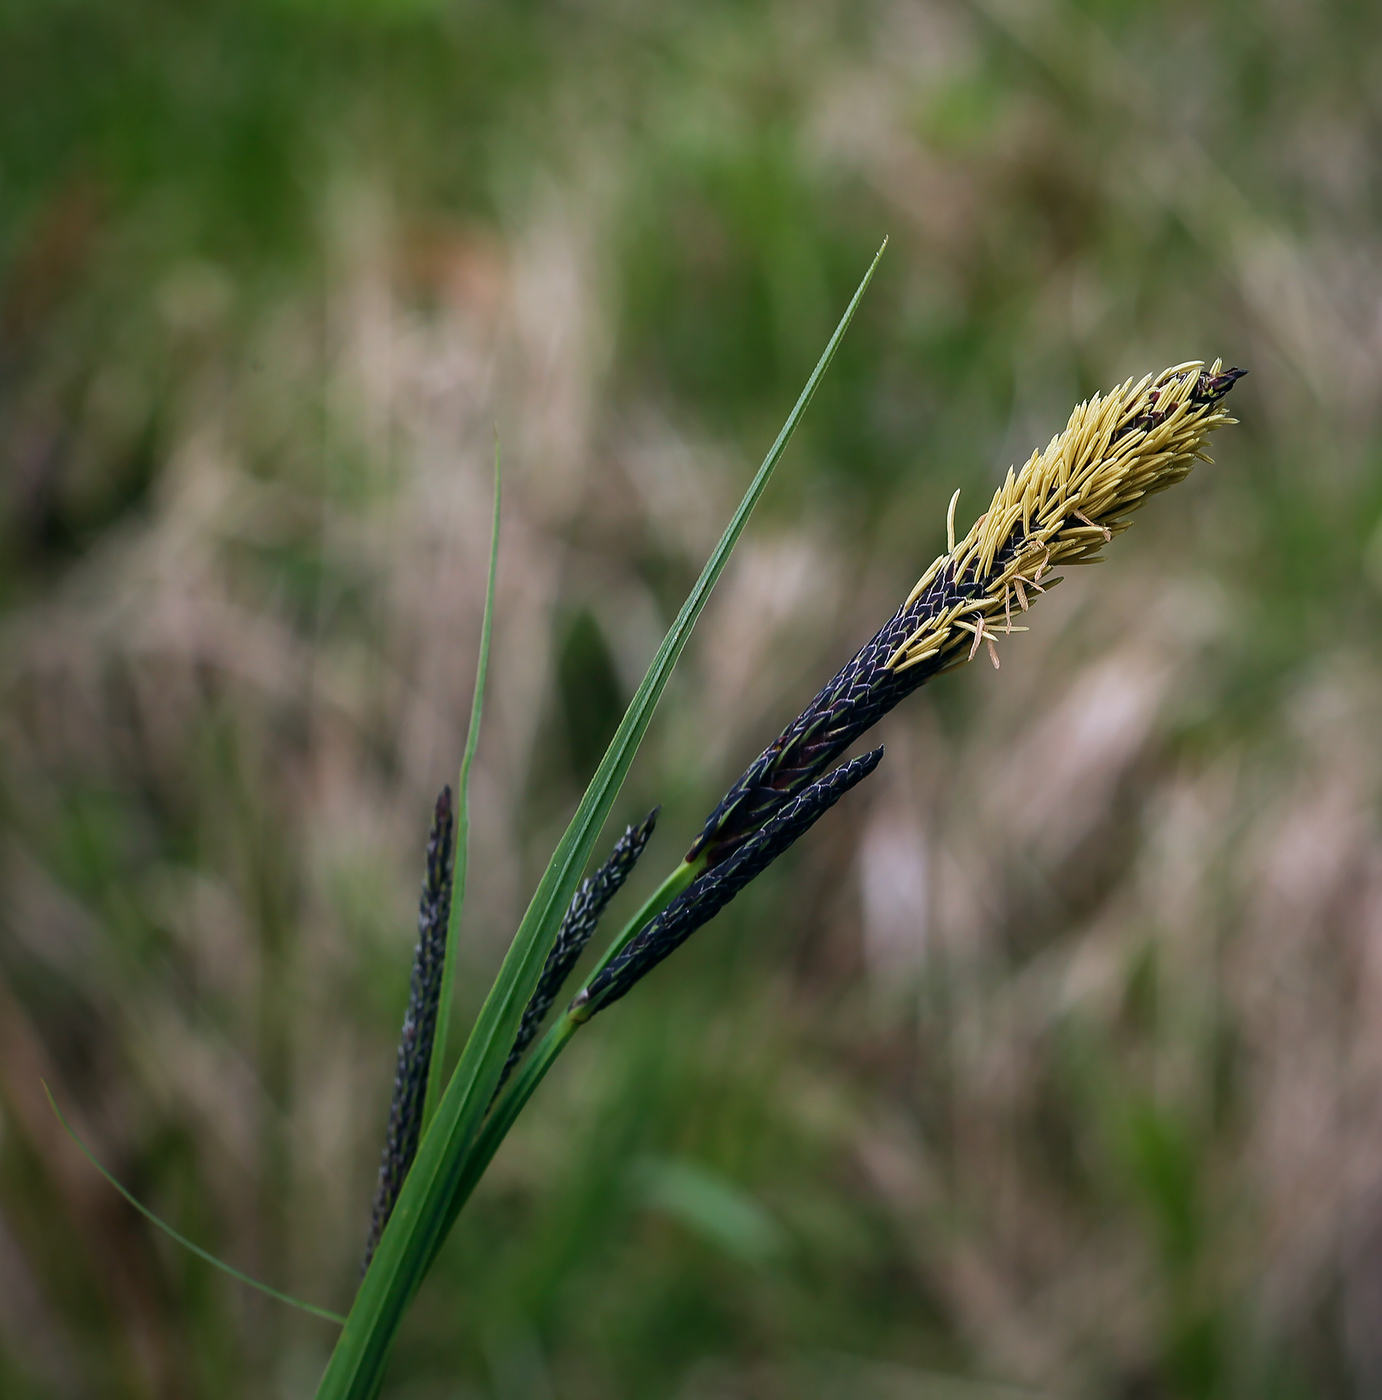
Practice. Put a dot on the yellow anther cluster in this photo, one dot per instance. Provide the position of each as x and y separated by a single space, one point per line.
1062 508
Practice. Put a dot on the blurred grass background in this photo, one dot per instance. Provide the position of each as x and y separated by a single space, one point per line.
1052 1062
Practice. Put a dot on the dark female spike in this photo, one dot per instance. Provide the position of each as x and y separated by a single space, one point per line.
712 890
576 929
419 1022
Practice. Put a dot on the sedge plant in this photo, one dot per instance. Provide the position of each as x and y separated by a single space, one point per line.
1061 508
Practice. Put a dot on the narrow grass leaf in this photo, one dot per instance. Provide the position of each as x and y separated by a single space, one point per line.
424 1209
324 1313
436 1069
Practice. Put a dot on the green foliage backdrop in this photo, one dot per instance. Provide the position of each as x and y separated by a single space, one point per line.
1053 1063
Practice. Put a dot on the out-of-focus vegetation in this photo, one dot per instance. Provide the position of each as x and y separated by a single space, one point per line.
1053 1060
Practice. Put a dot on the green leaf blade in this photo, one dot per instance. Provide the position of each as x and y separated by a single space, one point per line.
423 1212
324 1313
437 1067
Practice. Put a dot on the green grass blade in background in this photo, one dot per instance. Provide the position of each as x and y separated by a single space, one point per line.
325 1313
421 1216
436 1069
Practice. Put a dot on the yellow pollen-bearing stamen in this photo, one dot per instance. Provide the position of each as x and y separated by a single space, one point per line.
997 532
962 558
1026 557
924 582
1030 493
1116 450
977 630
912 639
927 625
1062 507
917 659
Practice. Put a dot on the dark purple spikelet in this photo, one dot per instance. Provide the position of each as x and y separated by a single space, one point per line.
854 700
715 887
580 922
419 1022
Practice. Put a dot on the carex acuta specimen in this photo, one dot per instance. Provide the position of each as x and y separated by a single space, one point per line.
1061 508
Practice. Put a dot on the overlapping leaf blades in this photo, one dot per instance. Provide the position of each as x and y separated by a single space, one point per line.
443 1170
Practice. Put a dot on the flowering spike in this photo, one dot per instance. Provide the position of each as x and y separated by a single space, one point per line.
713 889
1060 508
576 928
419 1022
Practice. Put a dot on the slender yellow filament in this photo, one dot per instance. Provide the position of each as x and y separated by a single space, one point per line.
1065 504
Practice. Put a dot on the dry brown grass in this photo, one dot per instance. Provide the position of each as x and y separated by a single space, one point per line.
1077 1029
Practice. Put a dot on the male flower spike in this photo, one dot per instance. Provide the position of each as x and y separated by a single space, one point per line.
1061 508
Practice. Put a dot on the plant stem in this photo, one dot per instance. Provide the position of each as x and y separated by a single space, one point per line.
655 903
423 1210
531 1073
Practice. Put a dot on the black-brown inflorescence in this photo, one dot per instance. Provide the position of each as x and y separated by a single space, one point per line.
419 1022
1063 506
576 928
714 888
